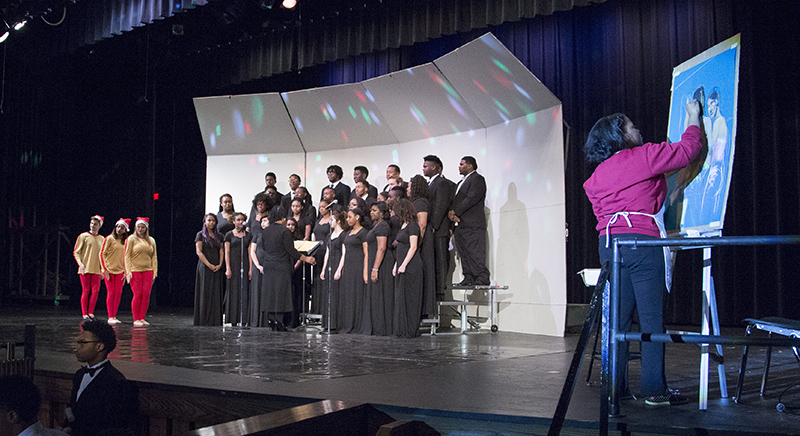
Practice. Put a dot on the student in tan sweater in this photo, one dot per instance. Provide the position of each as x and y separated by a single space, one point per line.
112 258
141 268
87 254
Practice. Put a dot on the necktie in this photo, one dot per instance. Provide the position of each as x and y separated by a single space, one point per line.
91 371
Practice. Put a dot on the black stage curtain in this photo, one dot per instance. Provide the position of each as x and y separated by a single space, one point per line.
103 130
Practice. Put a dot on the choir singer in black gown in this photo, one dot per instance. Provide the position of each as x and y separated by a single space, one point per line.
278 259
408 273
237 270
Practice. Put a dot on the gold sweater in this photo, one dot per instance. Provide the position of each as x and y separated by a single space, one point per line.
112 256
140 256
87 252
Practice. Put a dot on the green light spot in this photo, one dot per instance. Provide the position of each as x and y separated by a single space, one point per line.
219 130
451 91
420 117
455 129
523 107
501 66
352 112
531 118
394 154
528 177
483 151
432 141
258 110
365 115
327 115
500 105
319 158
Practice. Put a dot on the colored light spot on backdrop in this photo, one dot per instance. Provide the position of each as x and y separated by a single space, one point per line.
212 141
298 124
528 177
252 161
325 112
483 151
344 135
524 107
319 158
455 129
262 159
365 115
219 130
352 112
361 96
503 116
531 118
523 92
370 97
478 85
432 141
300 167
508 164
394 155
374 118
501 79
556 113
501 66
418 115
238 123
247 128
520 136
258 110
330 111
500 105
456 106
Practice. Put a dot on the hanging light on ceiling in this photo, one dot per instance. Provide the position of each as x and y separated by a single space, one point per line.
20 24
289 4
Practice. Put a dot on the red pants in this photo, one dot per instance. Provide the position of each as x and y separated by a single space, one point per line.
90 285
141 283
114 293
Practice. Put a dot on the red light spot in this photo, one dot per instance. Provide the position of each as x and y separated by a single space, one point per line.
299 167
556 112
501 79
155 196
344 135
478 85
247 128
508 164
252 161
322 108
361 96
426 133
435 78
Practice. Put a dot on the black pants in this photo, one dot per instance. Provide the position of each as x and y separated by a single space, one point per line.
471 245
441 257
642 284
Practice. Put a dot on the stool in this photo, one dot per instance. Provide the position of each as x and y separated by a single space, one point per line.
771 324
464 317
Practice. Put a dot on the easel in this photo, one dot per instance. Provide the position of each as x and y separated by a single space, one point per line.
709 326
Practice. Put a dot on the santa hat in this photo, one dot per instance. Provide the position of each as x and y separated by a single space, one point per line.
98 218
124 222
143 220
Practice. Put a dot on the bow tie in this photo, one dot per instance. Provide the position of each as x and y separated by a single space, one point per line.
91 371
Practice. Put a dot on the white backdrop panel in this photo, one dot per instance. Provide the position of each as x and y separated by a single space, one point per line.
335 117
419 103
493 82
242 176
245 124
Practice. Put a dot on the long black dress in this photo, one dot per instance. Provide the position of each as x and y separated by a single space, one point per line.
407 286
331 288
320 287
208 287
223 226
426 254
279 258
255 283
236 286
353 286
379 301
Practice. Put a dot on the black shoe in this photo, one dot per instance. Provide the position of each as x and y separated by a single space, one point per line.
671 398
465 282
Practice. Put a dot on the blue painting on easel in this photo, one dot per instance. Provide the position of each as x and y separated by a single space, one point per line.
698 194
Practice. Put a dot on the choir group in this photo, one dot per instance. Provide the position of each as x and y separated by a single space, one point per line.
380 265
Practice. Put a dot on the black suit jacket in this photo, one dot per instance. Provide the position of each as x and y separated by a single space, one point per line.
286 202
108 402
442 191
342 193
468 202
372 192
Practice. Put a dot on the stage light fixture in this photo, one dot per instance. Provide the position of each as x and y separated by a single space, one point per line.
20 24
4 37
289 4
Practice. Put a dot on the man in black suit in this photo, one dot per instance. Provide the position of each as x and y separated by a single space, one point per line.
442 191
20 402
470 223
102 399
294 183
360 174
341 191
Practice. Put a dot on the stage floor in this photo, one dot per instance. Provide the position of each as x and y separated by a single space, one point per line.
503 377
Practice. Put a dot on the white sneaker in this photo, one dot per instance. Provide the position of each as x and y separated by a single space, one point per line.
138 323
113 321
